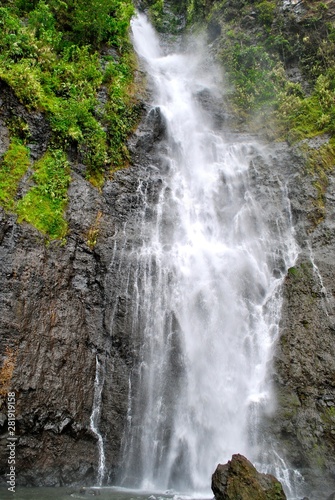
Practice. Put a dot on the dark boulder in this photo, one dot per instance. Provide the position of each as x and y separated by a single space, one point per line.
238 479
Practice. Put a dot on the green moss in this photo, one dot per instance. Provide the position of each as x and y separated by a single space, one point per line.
293 271
328 416
317 456
288 402
50 55
12 168
24 78
44 204
308 116
16 39
52 61
320 162
301 272
18 128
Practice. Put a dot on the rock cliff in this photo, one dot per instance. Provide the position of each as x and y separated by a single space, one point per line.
305 357
60 302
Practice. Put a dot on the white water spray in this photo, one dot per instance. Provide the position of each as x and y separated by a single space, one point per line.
326 296
95 418
206 301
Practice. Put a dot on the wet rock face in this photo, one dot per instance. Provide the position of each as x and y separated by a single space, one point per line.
304 363
17 117
44 321
239 479
55 304
305 368
62 307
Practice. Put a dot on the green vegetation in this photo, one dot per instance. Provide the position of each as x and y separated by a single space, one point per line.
252 73
301 272
93 232
57 56
293 271
12 168
302 116
44 204
121 114
319 163
258 41
258 44
266 13
329 415
156 12
169 15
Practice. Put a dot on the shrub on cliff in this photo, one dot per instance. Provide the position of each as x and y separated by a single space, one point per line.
57 56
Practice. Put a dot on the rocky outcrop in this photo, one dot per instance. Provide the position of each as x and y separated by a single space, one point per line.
304 420
240 479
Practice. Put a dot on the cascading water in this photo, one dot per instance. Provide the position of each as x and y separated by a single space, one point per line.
95 417
206 296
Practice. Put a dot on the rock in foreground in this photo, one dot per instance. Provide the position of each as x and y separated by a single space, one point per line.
239 480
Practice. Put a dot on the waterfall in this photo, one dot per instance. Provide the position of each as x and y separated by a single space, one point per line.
207 293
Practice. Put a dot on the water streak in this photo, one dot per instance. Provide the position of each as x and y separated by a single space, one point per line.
326 296
95 418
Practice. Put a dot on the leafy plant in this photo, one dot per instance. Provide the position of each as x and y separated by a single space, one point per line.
44 204
266 11
12 168
52 61
93 232
15 39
